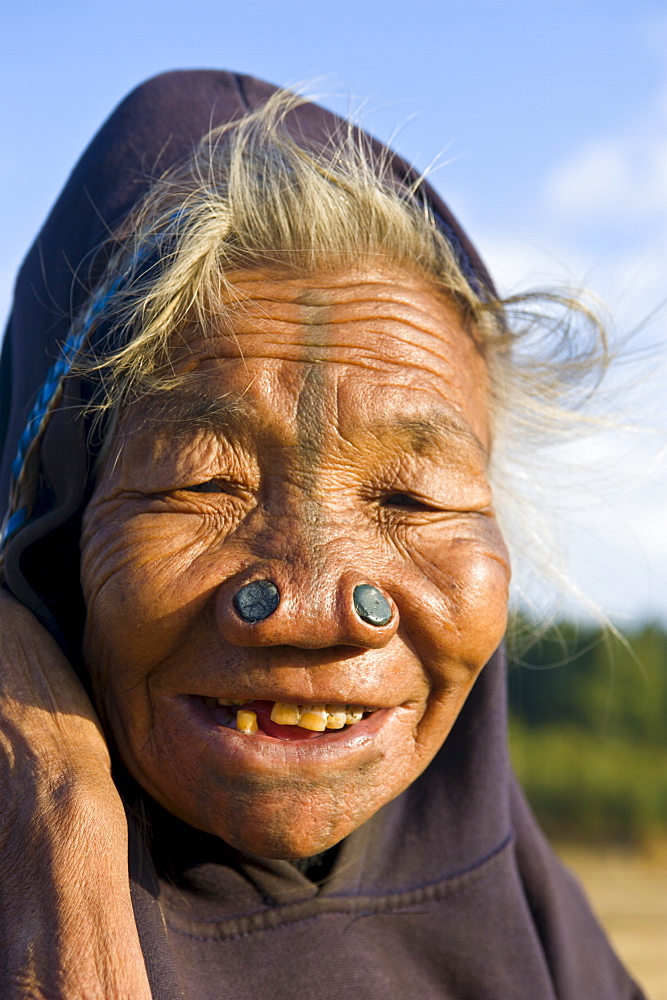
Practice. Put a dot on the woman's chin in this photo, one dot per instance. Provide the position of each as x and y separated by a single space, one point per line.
290 830
281 844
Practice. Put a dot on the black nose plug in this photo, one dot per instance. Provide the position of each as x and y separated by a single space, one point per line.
371 605
257 600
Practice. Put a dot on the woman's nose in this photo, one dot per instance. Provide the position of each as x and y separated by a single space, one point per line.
261 608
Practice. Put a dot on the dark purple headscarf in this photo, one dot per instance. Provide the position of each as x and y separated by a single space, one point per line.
461 897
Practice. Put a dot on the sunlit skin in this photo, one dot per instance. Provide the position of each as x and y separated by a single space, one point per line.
335 433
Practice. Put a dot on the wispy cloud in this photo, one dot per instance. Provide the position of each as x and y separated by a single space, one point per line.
623 178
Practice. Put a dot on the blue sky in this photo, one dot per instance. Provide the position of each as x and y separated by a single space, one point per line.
548 119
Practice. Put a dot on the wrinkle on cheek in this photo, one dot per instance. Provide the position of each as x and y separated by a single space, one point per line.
454 552
442 712
469 576
115 538
140 587
478 590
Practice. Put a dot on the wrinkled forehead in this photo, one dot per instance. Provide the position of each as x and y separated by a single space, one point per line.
372 346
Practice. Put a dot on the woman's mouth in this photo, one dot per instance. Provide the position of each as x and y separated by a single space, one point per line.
284 720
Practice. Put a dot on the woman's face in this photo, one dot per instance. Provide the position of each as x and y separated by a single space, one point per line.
333 433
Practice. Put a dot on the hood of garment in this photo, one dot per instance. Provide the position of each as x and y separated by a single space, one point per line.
507 921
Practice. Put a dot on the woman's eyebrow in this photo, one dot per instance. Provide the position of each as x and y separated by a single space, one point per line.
186 410
430 433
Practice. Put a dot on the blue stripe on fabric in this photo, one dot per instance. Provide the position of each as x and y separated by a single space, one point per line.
58 369
14 522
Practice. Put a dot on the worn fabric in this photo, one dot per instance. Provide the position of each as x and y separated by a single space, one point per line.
450 891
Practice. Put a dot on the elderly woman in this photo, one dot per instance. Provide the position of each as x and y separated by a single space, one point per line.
250 501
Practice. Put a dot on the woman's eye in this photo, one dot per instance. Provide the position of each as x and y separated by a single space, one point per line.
404 501
210 486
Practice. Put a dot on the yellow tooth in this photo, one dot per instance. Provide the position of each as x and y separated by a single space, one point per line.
353 714
285 713
335 716
226 702
313 717
246 722
210 702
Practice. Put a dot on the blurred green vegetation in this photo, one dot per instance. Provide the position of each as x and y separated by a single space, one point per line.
587 732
